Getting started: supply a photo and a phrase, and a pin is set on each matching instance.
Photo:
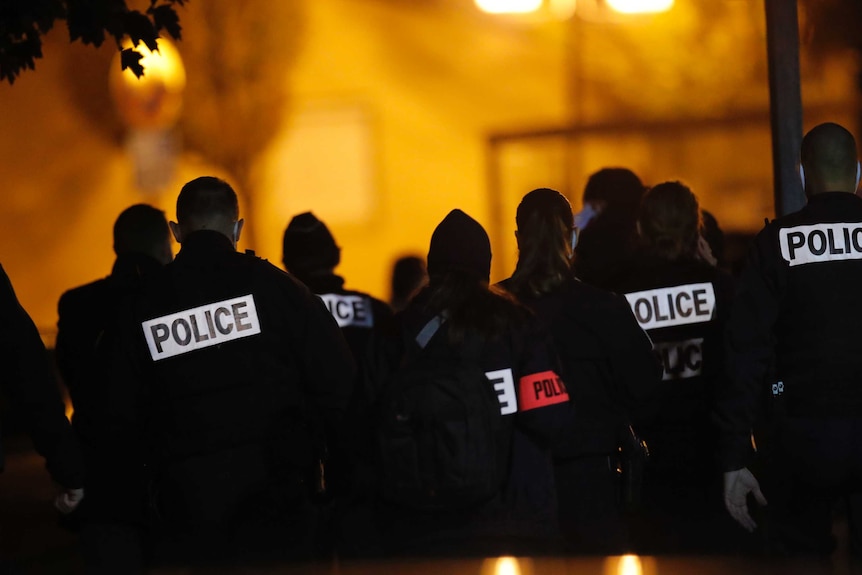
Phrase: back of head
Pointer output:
(409, 274)
(545, 227)
(829, 160)
(459, 243)
(143, 229)
(618, 191)
(459, 269)
(207, 203)
(308, 247)
(669, 221)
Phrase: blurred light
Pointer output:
(640, 6)
(630, 565)
(154, 100)
(509, 6)
(563, 9)
(507, 566)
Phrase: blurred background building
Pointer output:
(382, 115)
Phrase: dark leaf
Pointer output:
(85, 22)
(131, 59)
(139, 28)
(166, 18)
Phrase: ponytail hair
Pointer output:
(545, 227)
(670, 221)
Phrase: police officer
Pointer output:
(607, 362)
(30, 385)
(112, 516)
(682, 301)
(606, 225)
(517, 359)
(798, 307)
(311, 254)
(232, 369)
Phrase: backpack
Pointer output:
(440, 429)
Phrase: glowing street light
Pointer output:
(640, 6)
(509, 6)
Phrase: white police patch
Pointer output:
(349, 310)
(681, 359)
(201, 327)
(821, 243)
(679, 305)
(503, 381)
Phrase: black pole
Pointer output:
(782, 40)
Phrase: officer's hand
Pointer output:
(737, 485)
(704, 252)
(68, 499)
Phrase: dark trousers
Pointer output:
(685, 515)
(590, 511)
(816, 462)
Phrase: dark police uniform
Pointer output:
(29, 383)
(359, 316)
(683, 306)
(612, 377)
(356, 313)
(113, 511)
(235, 369)
(84, 313)
(522, 519)
(798, 307)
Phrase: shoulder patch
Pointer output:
(200, 327)
(678, 305)
(349, 310)
(821, 243)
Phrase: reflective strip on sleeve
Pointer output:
(541, 390)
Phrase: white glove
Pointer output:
(68, 499)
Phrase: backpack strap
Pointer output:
(471, 349)
(426, 333)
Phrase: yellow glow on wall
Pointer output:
(509, 6)
(563, 9)
(640, 6)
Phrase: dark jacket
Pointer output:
(605, 250)
(683, 305)
(356, 313)
(230, 369)
(513, 361)
(84, 313)
(359, 316)
(30, 385)
(797, 311)
(608, 366)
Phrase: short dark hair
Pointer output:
(205, 198)
(829, 153)
(140, 229)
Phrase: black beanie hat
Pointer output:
(460, 243)
(308, 246)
